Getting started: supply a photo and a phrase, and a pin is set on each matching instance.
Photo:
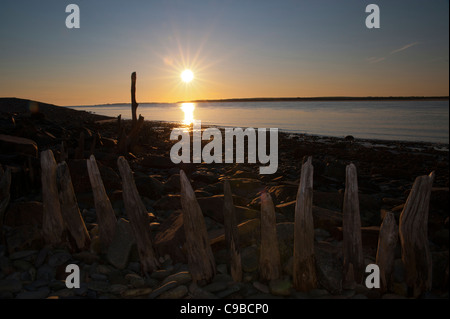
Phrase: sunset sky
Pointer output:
(235, 48)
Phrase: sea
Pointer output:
(418, 121)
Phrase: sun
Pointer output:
(187, 76)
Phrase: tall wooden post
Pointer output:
(387, 242)
(304, 274)
(69, 208)
(351, 228)
(198, 249)
(134, 104)
(52, 224)
(138, 216)
(413, 229)
(269, 258)
(231, 233)
(105, 214)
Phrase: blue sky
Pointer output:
(235, 49)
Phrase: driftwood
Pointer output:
(105, 214)
(52, 224)
(231, 234)
(5, 194)
(138, 217)
(413, 230)
(351, 227)
(69, 208)
(387, 242)
(134, 104)
(304, 274)
(269, 258)
(200, 258)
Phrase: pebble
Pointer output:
(10, 285)
(99, 286)
(160, 274)
(59, 259)
(118, 289)
(261, 287)
(175, 293)
(225, 293)
(135, 292)
(222, 269)
(181, 278)
(99, 277)
(163, 288)
(135, 280)
(216, 286)
(22, 254)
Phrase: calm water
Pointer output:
(426, 121)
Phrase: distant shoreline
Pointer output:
(293, 99)
(325, 99)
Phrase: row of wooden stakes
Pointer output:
(61, 214)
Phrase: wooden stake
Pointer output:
(69, 208)
(138, 216)
(351, 228)
(269, 258)
(387, 242)
(413, 229)
(105, 214)
(304, 274)
(231, 233)
(199, 254)
(52, 224)
(134, 104)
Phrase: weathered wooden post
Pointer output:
(387, 242)
(134, 104)
(304, 275)
(69, 208)
(138, 216)
(200, 258)
(413, 230)
(231, 233)
(105, 214)
(52, 224)
(269, 258)
(351, 229)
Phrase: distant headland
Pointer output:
(323, 99)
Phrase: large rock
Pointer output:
(171, 238)
(122, 244)
(12, 144)
(323, 218)
(249, 233)
(212, 206)
(328, 267)
(246, 187)
(168, 202)
(149, 187)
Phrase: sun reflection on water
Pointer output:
(188, 109)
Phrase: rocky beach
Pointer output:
(32, 269)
